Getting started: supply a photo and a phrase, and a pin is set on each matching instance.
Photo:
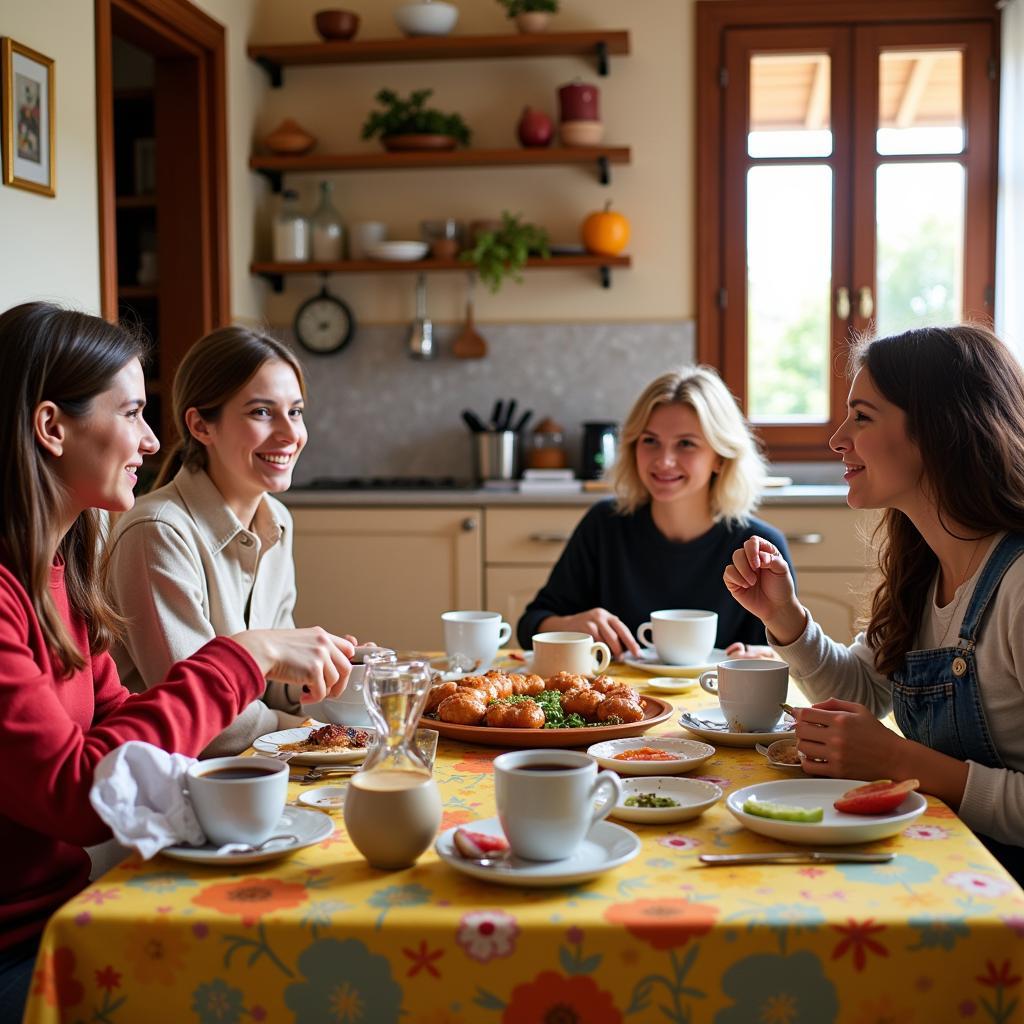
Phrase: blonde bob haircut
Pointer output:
(737, 486)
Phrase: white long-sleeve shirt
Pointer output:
(993, 801)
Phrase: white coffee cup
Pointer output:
(363, 235)
(565, 651)
(681, 636)
(349, 707)
(238, 799)
(476, 635)
(750, 691)
(546, 800)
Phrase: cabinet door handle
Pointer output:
(804, 538)
(469, 524)
(549, 537)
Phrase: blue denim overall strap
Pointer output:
(936, 695)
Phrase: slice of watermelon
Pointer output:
(479, 844)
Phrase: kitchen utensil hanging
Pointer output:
(421, 335)
(469, 344)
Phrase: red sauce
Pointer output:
(645, 754)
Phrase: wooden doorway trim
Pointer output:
(170, 28)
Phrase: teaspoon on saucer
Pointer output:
(229, 848)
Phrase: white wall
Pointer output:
(49, 246)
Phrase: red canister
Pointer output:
(577, 101)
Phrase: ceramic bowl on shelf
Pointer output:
(427, 18)
(398, 251)
(336, 24)
(415, 141)
(581, 133)
(289, 138)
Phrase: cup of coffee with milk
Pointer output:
(680, 636)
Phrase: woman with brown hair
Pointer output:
(73, 437)
(687, 477)
(935, 436)
(209, 553)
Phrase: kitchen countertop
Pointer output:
(797, 494)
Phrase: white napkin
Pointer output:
(139, 791)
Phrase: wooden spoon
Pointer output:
(469, 344)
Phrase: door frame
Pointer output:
(190, 46)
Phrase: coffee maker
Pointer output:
(600, 442)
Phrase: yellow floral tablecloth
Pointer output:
(936, 936)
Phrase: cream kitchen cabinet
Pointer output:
(387, 574)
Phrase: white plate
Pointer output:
(694, 797)
(671, 684)
(691, 754)
(606, 846)
(400, 252)
(272, 742)
(310, 826)
(835, 828)
(648, 662)
(722, 735)
(326, 798)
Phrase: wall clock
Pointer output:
(324, 324)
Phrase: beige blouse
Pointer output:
(182, 569)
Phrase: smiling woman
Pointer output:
(209, 552)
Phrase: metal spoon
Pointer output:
(229, 848)
(421, 337)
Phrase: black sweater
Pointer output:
(627, 566)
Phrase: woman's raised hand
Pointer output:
(312, 657)
(759, 580)
(601, 625)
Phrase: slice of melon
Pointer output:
(479, 844)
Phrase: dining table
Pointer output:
(316, 936)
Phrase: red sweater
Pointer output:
(54, 731)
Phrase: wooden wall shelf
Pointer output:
(273, 58)
(275, 272)
(602, 157)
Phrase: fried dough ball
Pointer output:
(527, 685)
(567, 681)
(502, 683)
(463, 708)
(613, 688)
(524, 714)
(583, 702)
(487, 690)
(619, 707)
(438, 694)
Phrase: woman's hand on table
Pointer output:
(759, 580)
(843, 740)
(741, 650)
(601, 625)
(312, 657)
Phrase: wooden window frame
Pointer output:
(714, 17)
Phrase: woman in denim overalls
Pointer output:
(935, 436)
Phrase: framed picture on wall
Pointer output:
(27, 91)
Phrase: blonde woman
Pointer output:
(686, 479)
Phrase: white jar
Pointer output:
(291, 231)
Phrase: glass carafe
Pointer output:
(392, 806)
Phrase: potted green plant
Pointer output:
(408, 124)
(530, 15)
(503, 251)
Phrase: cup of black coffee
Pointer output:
(238, 799)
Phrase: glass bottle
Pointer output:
(392, 807)
(328, 232)
(291, 230)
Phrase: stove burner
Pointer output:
(382, 483)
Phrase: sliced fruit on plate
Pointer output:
(781, 812)
(879, 797)
(479, 844)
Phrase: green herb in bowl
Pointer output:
(650, 800)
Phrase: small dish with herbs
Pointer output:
(662, 799)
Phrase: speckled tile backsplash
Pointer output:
(373, 411)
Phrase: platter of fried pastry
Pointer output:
(564, 710)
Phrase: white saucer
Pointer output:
(272, 742)
(694, 797)
(398, 251)
(606, 846)
(722, 735)
(671, 684)
(835, 828)
(648, 662)
(310, 826)
(689, 753)
(326, 798)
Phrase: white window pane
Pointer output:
(790, 105)
(919, 245)
(789, 284)
(920, 102)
